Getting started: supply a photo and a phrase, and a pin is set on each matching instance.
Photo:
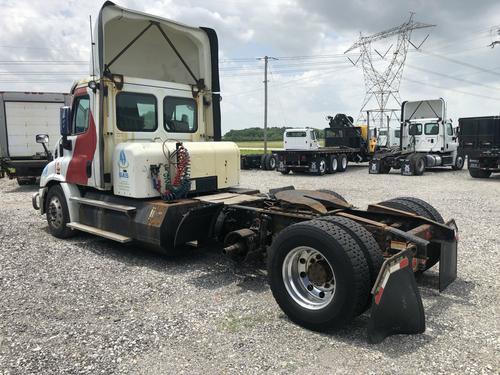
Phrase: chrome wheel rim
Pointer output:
(272, 163)
(460, 162)
(55, 212)
(334, 164)
(309, 278)
(344, 163)
(322, 166)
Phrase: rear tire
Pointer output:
(271, 162)
(312, 247)
(342, 163)
(418, 165)
(479, 173)
(263, 161)
(333, 164)
(371, 250)
(321, 166)
(57, 213)
(285, 172)
(418, 207)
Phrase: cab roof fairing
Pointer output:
(423, 109)
(150, 56)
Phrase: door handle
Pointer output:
(88, 168)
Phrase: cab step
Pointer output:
(105, 205)
(99, 232)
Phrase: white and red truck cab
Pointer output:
(154, 86)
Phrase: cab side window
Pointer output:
(82, 114)
(449, 129)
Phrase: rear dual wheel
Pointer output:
(319, 274)
(421, 208)
(268, 162)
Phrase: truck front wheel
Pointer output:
(459, 163)
(318, 275)
(57, 213)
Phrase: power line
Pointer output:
(450, 89)
(461, 63)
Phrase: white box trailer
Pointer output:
(24, 115)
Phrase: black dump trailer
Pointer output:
(480, 141)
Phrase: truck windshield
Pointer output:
(179, 115)
(431, 128)
(295, 134)
(415, 129)
(136, 112)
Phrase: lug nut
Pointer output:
(303, 274)
(309, 287)
(321, 295)
(302, 260)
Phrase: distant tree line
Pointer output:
(257, 134)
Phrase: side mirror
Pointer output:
(42, 138)
(65, 121)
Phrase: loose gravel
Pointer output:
(90, 306)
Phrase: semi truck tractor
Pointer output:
(480, 141)
(140, 160)
(23, 116)
(428, 139)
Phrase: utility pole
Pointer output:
(266, 63)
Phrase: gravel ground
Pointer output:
(88, 305)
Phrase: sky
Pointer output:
(45, 46)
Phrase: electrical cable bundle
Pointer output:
(178, 187)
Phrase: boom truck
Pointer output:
(140, 160)
(428, 139)
(344, 142)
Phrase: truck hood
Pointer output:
(136, 44)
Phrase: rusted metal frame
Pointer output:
(273, 212)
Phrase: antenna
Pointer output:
(91, 45)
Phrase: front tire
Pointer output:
(57, 213)
(479, 173)
(318, 275)
(459, 163)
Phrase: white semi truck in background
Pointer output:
(140, 160)
(428, 139)
(24, 115)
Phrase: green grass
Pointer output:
(260, 144)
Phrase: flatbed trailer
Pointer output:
(319, 161)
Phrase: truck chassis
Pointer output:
(317, 245)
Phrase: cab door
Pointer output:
(450, 138)
(83, 140)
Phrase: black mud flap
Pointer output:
(374, 166)
(448, 260)
(197, 224)
(407, 167)
(397, 306)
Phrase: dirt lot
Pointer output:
(88, 305)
